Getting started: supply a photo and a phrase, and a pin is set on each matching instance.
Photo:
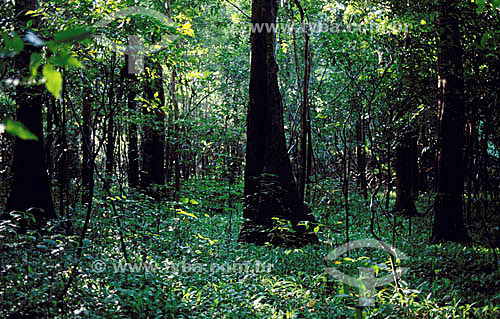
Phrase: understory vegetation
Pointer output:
(185, 262)
(250, 159)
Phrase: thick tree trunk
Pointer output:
(448, 217)
(159, 137)
(270, 188)
(406, 175)
(129, 72)
(153, 171)
(30, 186)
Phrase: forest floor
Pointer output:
(185, 262)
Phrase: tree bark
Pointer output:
(110, 128)
(448, 216)
(406, 168)
(132, 148)
(153, 151)
(174, 135)
(30, 186)
(270, 189)
(305, 123)
(87, 164)
(361, 156)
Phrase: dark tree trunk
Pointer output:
(361, 156)
(128, 72)
(110, 128)
(270, 188)
(62, 159)
(174, 136)
(115, 99)
(49, 140)
(448, 216)
(133, 153)
(428, 157)
(168, 148)
(305, 123)
(110, 146)
(146, 172)
(159, 133)
(153, 151)
(406, 175)
(87, 164)
(30, 186)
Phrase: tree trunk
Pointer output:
(361, 156)
(87, 164)
(62, 159)
(110, 128)
(448, 217)
(305, 123)
(174, 135)
(270, 189)
(133, 153)
(153, 171)
(406, 175)
(30, 186)
(129, 72)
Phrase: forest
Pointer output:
(249, 159)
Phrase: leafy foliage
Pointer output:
(148, 252)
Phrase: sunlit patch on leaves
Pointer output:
(53, 80)
(17, 129)
(182, 212)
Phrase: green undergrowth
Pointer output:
(185, 262)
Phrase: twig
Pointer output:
(237, 8)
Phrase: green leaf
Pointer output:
(481, 4)
(18, 129)
(17, 44)
(53, 80)
(35, 61)
(484, 39)
(70, 35)
(65, 60)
